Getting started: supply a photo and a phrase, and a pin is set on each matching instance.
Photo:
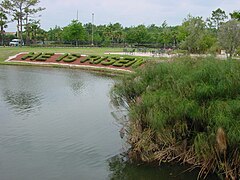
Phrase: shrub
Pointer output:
(61, 57)
(92, 60)
(31, 54)
(35, 56)
(108, 62)
(139, 62)
(115, 58)
(97, 61)
(44, 56)
(130, 58)
(120, 63)
(76, 55)
(189, 106)
(85, 59)
(130, 63)
(70, 58)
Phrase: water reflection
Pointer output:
(75, 81)
(122, 169)
(22, 101)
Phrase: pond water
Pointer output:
(58, 124)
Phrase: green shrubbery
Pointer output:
(62, 57)
(186, 110)
(116, 61)
(44, 56)
(37, 56)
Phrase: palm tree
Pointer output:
(3, 25)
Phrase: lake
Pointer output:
(58, 124)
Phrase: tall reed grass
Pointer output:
(186, 110)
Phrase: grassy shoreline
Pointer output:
(186, 111)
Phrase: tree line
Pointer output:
(194, 35)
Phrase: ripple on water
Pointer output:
(22, 102)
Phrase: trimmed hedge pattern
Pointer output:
(116, 61)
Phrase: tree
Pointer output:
(166, 35)
(235, 15)
(193, 31)
(74, 32)
(229, 36)
(3, 25)
(114, 32)
(35, 33)
(55, 34)
(138, 35)
(218, 16)
(20, 10)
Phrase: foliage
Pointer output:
(235, 15)
(3, 24)
(187, 110)
(20, 10)
(74, 32)
(55, 34)
(91, 59)
(137, 35)
(229, 36)
(197, 39)
(218, 17)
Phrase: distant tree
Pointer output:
(55, 34)
(154, 34)
(35, 32)
(20, 10)
(114, 32)
(235, 15)
(89, 28)
(193, 29)
(218, 17)
(166, 34)
(138, 35)
(74, 32)
(3, 25)
(229, 36)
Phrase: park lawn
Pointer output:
(5, 52)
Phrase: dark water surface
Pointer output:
(57, 124)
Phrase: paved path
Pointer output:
(149, 54)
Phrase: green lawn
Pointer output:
(5, 52)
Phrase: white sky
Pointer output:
(128, 12)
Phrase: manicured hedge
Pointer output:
(108, 62)
(120, 63)
(27, 56)
(44, 57)
(116, 61)
(61, 57)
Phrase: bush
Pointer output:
(30, 54)
(70, 58)
(108, 62)
(85, 59)
(195, 103)
(130, 63)
(130, 58)
(35, 56)
(97, 61)
(139, 62)
(44, 56)
(61, 57)
(120, 63)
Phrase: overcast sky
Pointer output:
(128, 12)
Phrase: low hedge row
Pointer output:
(92, 59)
(37, 56)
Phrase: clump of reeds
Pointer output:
(188, 111)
